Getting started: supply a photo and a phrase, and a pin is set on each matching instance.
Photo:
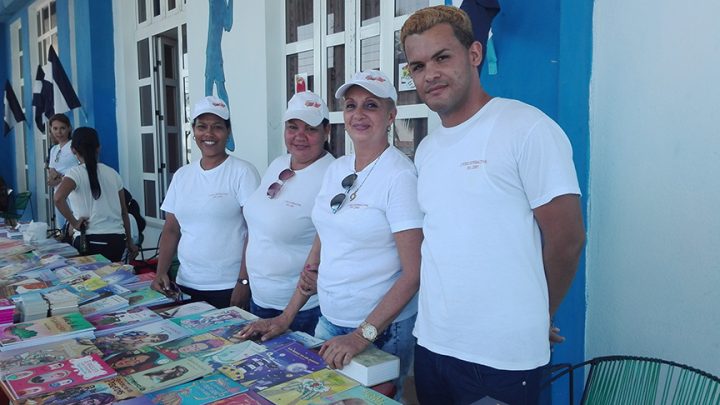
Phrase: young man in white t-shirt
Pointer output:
(503, 224)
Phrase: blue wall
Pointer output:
(544, 51)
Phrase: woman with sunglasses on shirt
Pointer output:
(204, 220)
(60, 158)
(369, 227)
(280, 231)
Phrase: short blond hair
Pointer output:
(426, 18)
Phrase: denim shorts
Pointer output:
(397, 339)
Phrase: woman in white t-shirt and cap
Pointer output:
(280, 230)
(203, 207)
(61, 158)
(369, 227)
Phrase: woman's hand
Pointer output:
(241, 296)
(132, 250)
(53, 177)
(80, 223)
(338, 351)
(307, 284)
(161, 283)
(266, 328)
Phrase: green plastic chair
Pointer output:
(17, 206)
(643, 380)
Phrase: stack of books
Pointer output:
(118, 321)
(20, 359)
(32, 307)
(61, 301)
(46, 330)
(7, 311)
(104, 305)
(373, 366)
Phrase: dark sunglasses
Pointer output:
(347, 183)
(274, 188)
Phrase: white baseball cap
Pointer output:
(212, 105)
(308, 107)
(373, 81)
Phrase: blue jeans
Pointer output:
(305, 321)
(397, 339)
(441, 379)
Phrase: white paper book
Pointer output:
(372, 367)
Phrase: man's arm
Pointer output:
(563, 238)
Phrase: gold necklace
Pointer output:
(377, 159)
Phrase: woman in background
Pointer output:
(61, 158)
(280, 231)
(95, 192)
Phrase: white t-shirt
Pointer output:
(208, 205)
(359, 261)
(104, 214)
(483, 293)
(62, 159)
(280, 232)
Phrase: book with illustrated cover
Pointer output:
(121, 276)
(118, 321)
(66, 272)
(206, 321)
(246, 398)
(192, 346)
(23, 358)
(150, 334)
(107, 391)
(103, 305)
(111, 268)
(167, 375)
(45, 330)
(303, 390)
(186, 309)
(135, 361)
(57, 376)
(373, 366)
(306, 340)
(199, 392)
(91, 262)
(231, 354)
(356, 395)
(270, 368)
(146, 297)
(230, 332)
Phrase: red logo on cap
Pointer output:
(218, 104)
(378, 78)
(312, 104)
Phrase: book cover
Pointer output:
(192, 346)
(270, 368)
(45, 327)
(210, 388)
(135, 361)
(66, 272)
(57, 376)
(167, 375)
(116, 321)
(356, 395)
(146, 297)
(85, 260)
(111, 268)
(206, 321)
(103, 305)
(303, 390)
(373, 366)
(246, 398)
(230, 332)
(231, 354)
(108, 391)
(186, 309)
(150, 334)
(24, 358)
(293, 337)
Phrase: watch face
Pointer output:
(369, 332)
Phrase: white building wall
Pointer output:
(653, 281)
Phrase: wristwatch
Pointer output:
(243, 281)
(369, 331)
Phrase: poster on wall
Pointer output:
(405, 82)
(301, 82)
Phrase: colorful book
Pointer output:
(46, 330)
(206, 321)
(135, 361)
(303, 390)
(306, 340)
(146, 297)
(118, 321)
(231, 354)
(150, 334)
(270, 368)
(111, 268)
(246, 398)
(167, 375)
(108, 391)
(356, 395)
(210, 388)
(373, 366)
(192, 346)
(104, 305)
(23, 358)
(231, 332)
(57, 376)
(91, 262)
(186, 309)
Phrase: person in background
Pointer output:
(280, 230)
(95, 192)
(60, 158)
(204, 220)
(369, 235)
(503, 224)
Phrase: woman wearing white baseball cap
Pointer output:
(369, 226)
(203, 208)
(280, 231)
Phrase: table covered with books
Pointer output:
(82, 330)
